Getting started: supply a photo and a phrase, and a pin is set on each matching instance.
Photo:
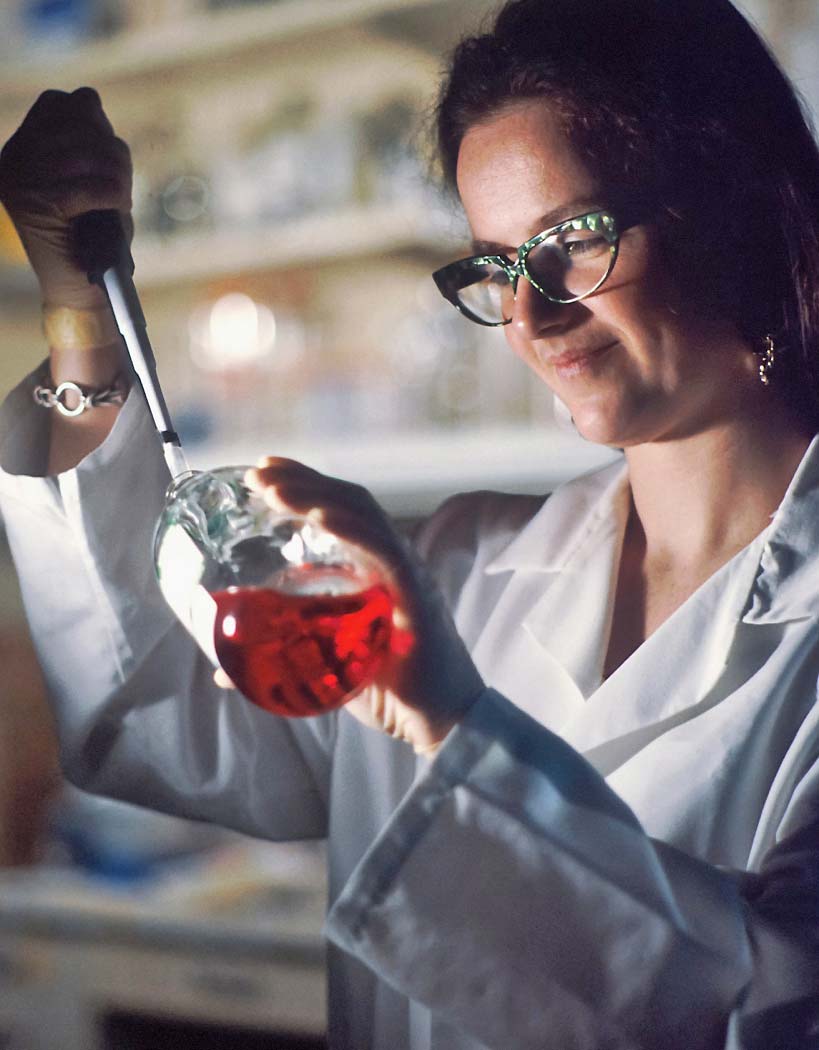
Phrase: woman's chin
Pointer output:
(598, 428)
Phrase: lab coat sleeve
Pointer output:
(139, 717)
(515, 894)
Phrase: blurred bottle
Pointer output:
(294, 162)
(56, 26)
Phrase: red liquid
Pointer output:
(301, 654)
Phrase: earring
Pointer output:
(767, 360)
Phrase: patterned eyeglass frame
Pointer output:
(447, 278)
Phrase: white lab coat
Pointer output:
(662, 891)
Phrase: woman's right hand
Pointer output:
(63, 161)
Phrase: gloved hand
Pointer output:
(63, 161)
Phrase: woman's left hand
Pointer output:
(424, 687)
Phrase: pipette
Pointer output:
(101, 248)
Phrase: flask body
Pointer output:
(299, 619)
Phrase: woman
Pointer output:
(606, 831)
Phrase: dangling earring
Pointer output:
(767, 360)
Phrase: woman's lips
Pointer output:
(572, 362)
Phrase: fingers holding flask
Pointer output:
(429, 679)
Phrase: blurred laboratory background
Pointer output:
(287, 220)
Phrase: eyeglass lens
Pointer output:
(568, 264)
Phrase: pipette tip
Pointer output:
(176, 459)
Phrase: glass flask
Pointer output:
(298, 618)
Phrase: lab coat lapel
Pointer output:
(582, 594)
(530, 649)
(513, 661)
(675, 671)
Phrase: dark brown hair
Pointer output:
(678, 106)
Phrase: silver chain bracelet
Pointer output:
(47, 397)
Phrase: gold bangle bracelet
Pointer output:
(68, 329)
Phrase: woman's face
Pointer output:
(631, 362)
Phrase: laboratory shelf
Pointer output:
(197, 38)
(353, 231)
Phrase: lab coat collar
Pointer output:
(786, 587)
(781, 591)
(564, 524)
(771, 581)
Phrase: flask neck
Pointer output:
(178, 481)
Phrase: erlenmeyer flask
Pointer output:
(299, 619)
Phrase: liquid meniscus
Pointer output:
(301, 654)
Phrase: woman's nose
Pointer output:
(533, 315)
